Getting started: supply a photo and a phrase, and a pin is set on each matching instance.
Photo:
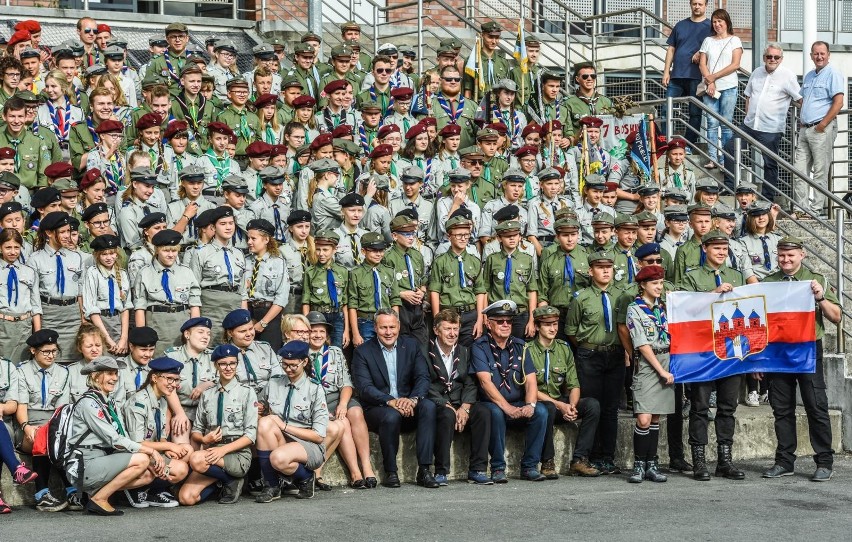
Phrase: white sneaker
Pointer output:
(764, 397)
(753, 399)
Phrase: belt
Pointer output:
(168, 308)
(808, 124)
(224, 288)
(9, 318)
(63, 145)
(366, 315)
(89, 447)
(260, 304)
(547, 238)
(465, 308)
(296, 290)
(106, 312)
(228, 440)
(599, 347)
(325, 309)
(58, 301)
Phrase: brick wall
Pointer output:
(286, 10)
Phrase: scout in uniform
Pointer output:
(510, 274)
(714, 276)
(172, 61)
(223, 68)
(334, 115)
(508, 213)
(707, 191)
(513, 186)
(624, 266)
(451, 108)
(541, 209)
(323, 202)
(183, 213)
(410, 275)
(219, 268)
(591, 206)
(245, 124)
(348, 252)
(258, 154)
(146, 416)
(217, 161)
(673, 236)
(691, 255)
(226, 425)
(325, 288)
(290, 441)
(372, 286)
(460, 196)
(60, 271)
(675, 173)
(653, 384)
(559, 392)
(563, 272)
(190, 106)
(20, 302)
(760, 240)
(591, 329)
(412, 186)
(494, 66)
(134, 366)
(724, 219)
(267, 283)
(106, 293)
(235, 192)
(493, 166)
(42, 387)
(166, 294)
(298, 252)
(148, 227)
(132, 208)
(273, 206)
(256, 358)
(303, 58)
(508, 390)
(198, 374)
(586, 100)
(782, 387)
(32, 153)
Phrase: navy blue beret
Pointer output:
(224, 351)
(647, 249)
(236, 318)
(165, 365)
(197, 321)
(294, 350)
(46, 336)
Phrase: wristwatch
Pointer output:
(533, 404)
(263, 324)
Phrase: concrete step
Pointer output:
(754, 439)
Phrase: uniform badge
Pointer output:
(619, 274)
(319, 290)
(218, 269)
(30, 165)
(501, 275)
(184, 297)
(398, 276)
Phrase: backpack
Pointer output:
(58, 438)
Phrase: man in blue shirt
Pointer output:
(822, 98)
(681, 74)
(508, 389)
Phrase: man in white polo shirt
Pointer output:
(769, 92)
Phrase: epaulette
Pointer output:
(139, 405)
(125, 203)
(560, 341)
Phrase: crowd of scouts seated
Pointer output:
(234, 276)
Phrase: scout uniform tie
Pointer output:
(606, 311)
(507, 275)
(165, 283)
(377, 284)
(43, 387)
(254, 272)
(332, 288)
(12, 285)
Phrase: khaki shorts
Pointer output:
(99, 470)
(237, 463)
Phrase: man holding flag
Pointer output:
(782, 386)
(526, 78)
(487, 65)
(715, 276)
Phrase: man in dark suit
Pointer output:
(454, 391)
(392, 380)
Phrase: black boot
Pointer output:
(699, 464)
(725, 466)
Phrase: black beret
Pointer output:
(166, 238)
(42, 337)
(10, 207)
(409, 213)
(352, 199)
(105, 242)
(142, 336)
(44, 197)
(463, 212)
(54, 221)
(509, 212)
(205, 218)
(94, 210)
(297, 217)
(221, 212)
(262, 225)
(151, 219)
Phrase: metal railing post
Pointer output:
(263, 10)
(738, 147)
(643, 50)
(669, 113)
(351, 10)
(236, 10)
(161, 5)
(567, 45)
(419, 36)
(375, 28)
(839, 217)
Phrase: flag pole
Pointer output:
(652, 131)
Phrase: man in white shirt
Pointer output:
(769, 92)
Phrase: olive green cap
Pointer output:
(790, 241)
(374, 240)
(602, 256)
(566, 212)
(700, 208)
(603, 219)
(646, 217)
(714, 236)
(626, 221)
(326, 237)
(566, 224)
(546, 312)
(508, 226)
(458, 222)
(402, 222)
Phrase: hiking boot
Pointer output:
(581, 467)
(652, 472)
(548, 469)
(307, 488)
(231, 491)
(638, 473)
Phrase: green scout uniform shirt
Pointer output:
(444, 279)
(80, 141)
(160, 65)
(285, 114)
(687, 257)
(310, 86)
(491, 75)
(360, 290)
(580, 107)
(528, 85)
(586, 318)
(382, 98)
(51, 141)
(806, 274)
(555, 288)
(315, 284)
(395, 259)
(32, 155)
(703, 279)
(130, 131)
(197, 117)
(620, 272)
(561, 375)
(465, 119)
(523, 279)
(245, 125)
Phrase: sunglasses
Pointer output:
(384, 70)
(772, 57)
(90, 30)
(587, 76)
(474, 162)
(451, 79)
(502, 321)
(651, 261)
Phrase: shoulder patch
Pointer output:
(138, 405)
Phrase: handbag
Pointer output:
(701, 89)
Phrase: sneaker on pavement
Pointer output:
(532, 475)
(307, 488)
(231, 491)
(441, 479)
(23, 475)
(479, 478)
(287, 487)
(609, 467)
(163, 499)
(499, 477)
(49, 503)
(255, 487)
(752, 399)
(137, 498)
(268, 494)
(75, 503)
(777, 471)
(822, 474)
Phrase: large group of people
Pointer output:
(232, 277)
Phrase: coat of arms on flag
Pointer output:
(736, 336)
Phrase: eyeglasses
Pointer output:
(474, 162)
(384, 70)
(13, 75)
(172, 380)
(451, 79)
(300, 331)
(100, 223)
(772, 57)
(177, 36)
(587, 76)
(291, 366)
(501, 321)
(461, 236)
(227, 365)
(49, 353)
(227, 54)
(240, 92)
(651, 261)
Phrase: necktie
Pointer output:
(507, 276)
(60, 275)
(733, 260)
(165, 282)
(60, 113)
(138, 379)
(553, 206)
(220, 407)
(228, 267)
(410, 269)
(406, 125)
(250, 374)
(146, 210)
(332, 287)
(12, 285)
(111, 288)
(153, 156)
(279, 229)
(315, 362)
(677, 180)
(419, 162)
(194, 372)
(377, 284)
(788, 278)
(115, 419)
(43, 387)
(287, 402)
(356, 252)
(630, 268)
(258, 187)
(767, 261)
(158, 419)
(254, 272)
(547, 367)
(718, 278)
(568, 271)
(703, 257)
(486, 172)
(606, 311)
(462, 279)
(491, 71)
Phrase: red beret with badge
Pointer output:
(217, 127)
(110, 125)
(335, 86)
(387, 130)
(381, 151)
(402, 93)
(551, 126)
(321, 141)
(450, 130)
(7, 153)
(415, 131)
(531, 128)
(303, 101)
(175, 127)
(591, 122)
(92, 176)
(429, 121)
(264, 100)
(148, 120)
(344, 130)
(259, 149)
(59, 170)
(526, 150)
